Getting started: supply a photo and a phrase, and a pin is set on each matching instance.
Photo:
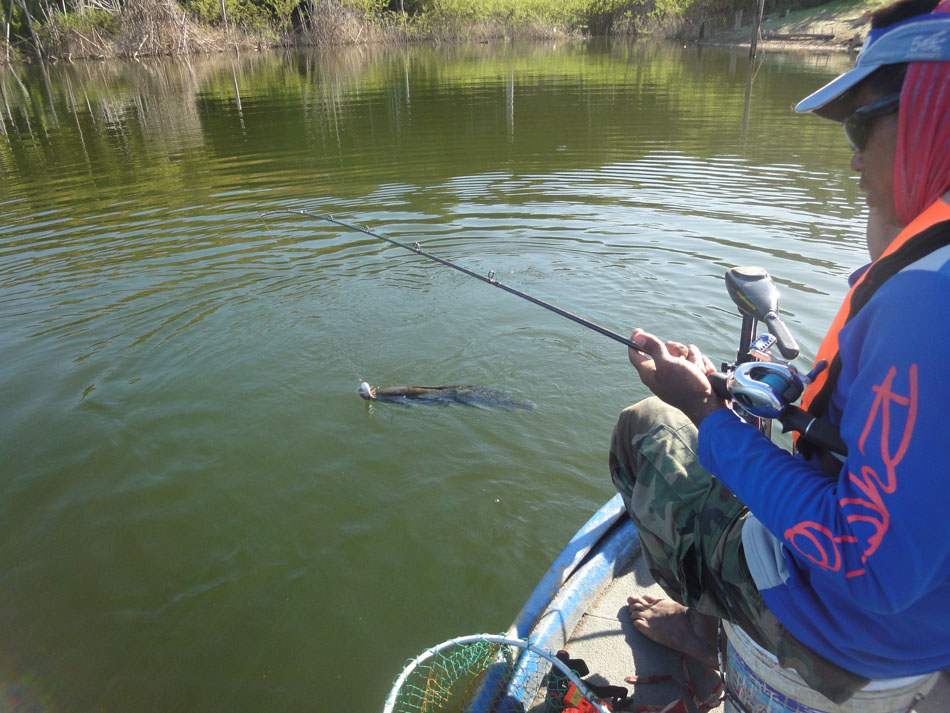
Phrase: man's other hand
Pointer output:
(676, 373)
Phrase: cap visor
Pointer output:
(826, 101)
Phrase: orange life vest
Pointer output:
(938, 212)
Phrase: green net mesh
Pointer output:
(482, 677)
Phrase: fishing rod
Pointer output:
(762, 385)
(489, 278)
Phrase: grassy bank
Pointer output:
(71, 29)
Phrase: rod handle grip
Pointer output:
(718, 382)
(821, 433)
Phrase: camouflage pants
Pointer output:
(690, 529)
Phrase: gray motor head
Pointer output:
(756, 296)
(752, 291)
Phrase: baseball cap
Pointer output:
(923, 38)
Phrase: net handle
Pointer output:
(492, 639)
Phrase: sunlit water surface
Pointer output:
(197, 511)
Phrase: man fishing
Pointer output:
(836, 565)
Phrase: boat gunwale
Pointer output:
(590, 536)
(578, 576)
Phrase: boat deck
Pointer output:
(605, 638)
(613, 649)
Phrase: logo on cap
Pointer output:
(932, 46)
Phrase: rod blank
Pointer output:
(489, 278)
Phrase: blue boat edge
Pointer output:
(585, 563)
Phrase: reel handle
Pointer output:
(786, 342)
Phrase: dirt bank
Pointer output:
(836, 27)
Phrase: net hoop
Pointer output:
(492, 639)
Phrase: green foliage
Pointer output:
(18, 28)
(602, 15)
(245, 13)
(281, 10)
(594, 16)
(268, 14)
(564, 12)
(91, 19)
(512, 10)
(667, 8)
(371, 7)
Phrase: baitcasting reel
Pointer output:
(758, 383)
(761, 386)
(767, 386)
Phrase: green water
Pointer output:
(197, 511)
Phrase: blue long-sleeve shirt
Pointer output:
(865, 579)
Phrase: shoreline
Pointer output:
(254, 45)
(787, 46)
(836, 27)
(238, 48)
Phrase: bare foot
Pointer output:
(673, 625)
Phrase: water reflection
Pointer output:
(387, 105)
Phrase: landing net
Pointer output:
(485, 674)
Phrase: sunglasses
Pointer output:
(857, 127)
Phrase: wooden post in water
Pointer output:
(224, 19)
(7, 33)
(755, 29)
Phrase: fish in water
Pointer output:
(468, 395)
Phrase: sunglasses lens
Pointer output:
(856, 129)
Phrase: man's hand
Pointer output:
(677, 374)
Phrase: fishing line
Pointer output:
(489, 278)
(339, 346)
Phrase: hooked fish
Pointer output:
(468, 395)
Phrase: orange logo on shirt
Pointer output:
(894, 414)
